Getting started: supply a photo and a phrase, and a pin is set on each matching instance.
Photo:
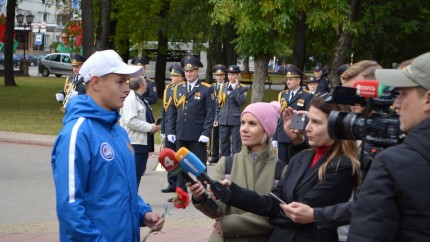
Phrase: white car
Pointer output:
(57, 63)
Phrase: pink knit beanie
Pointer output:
(266, 113)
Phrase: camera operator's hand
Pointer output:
(296, 136)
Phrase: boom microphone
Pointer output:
(190, 162)
(168, 160)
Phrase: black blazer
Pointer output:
(301, 184)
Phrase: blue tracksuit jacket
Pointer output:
(95, 179)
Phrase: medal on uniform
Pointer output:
(197, 95)
(301, 103)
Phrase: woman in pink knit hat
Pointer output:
(321, 176)
(255, 167)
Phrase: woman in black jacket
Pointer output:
(321, 176)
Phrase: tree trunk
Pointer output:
(112, 31)
(87, 28)
(103, 25)
(160, 65)
(9, 77)
(343, 44)
(340, 51)
(260, 73)
(300, 43)
(229, 52)
(214, 52)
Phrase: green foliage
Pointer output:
(393, 30)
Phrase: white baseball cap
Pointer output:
(105, 62)
(417, 74)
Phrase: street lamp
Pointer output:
(20, 19)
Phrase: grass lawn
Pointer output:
(31, 106)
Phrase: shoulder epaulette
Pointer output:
(205, 84)
(307, 91)
(280, 94)
(149, 79)
(242, 85)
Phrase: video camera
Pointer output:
(379, 125)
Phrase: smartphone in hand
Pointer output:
(299, 121)
(277, 198)
(158, 122)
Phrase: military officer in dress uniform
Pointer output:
(232, 96)
(151, 91)
(74, 84)
(297, 98)
(191, 120)
(312, 86)
(323, 83)
(177, 75)
(219, 71)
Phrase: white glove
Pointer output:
(203, 139)
(59, 97)
(274, 144)
(163, 136)
(73, 94)
(171, 138)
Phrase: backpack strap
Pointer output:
(280, 165)
(228, 166)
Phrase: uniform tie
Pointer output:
(229, 88)
(291, 96)
(189, 88)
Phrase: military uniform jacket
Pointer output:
(229, 104)
(300, 101)
(167, 100)
(214, 95)
(78, 81)
(323, 85)
(192, 113)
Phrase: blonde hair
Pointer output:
(366, 68)
(347, 148)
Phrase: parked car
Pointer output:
(34, 59)
(58, 64)
(15, 59)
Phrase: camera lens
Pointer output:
(345, 125)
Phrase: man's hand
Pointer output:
(299, 212)
(203, 139)
(73, 94)
(171, 138)
(155, 128)
(59, 97)
(154, 220)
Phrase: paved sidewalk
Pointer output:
(27, 206)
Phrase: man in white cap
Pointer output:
(393, 203)
(93, 161)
